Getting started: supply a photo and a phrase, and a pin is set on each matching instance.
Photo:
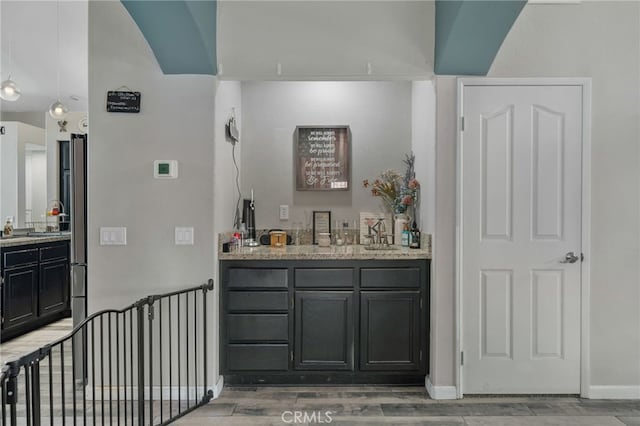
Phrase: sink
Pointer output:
(381, 247)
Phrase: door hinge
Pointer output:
(581, 258)
(461, 358)
(421, 303)
(292, 303)
(420, 355)
(462, 124)
(291, 357)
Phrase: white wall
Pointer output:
(34, 118)
(378, 113)
(600, 40)
(423, 145)
(593, 39)
(228, 103)
(325, 39)
(175, 123)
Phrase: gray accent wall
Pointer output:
(379, 116)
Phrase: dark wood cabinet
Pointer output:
(390, 330)
(53, 293)
(20, 302)
(324, 321)
(324, 330)
(35, 287)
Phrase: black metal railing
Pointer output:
(145, 364)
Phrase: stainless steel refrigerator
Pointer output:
(78, 192)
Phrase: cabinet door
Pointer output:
(390, 337)
(54, 287)
(19, 294)
(324, 330)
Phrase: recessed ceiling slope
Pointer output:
(182, 34)
(470, 33)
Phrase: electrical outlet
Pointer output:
(284, 212)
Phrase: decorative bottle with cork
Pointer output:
(8, 227)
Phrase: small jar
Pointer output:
(324, 239)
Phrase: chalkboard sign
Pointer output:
(123, 101)
(322, 158)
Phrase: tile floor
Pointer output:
(379, 405)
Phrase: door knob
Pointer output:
(570, 257)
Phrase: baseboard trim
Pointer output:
(440, 392)
(218, 389)
(613, 392)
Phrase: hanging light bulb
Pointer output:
(9, 90)
(57, 110)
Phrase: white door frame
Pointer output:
(585, 83)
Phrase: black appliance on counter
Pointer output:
(249, 220)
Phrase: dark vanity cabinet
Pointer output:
(324, 321)
(35, 286)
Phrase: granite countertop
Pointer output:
(25, 240)
(313, 252)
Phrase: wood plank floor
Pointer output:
(33, 340)
(380, 405)
(358, 406)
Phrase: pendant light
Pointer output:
(58, 110)
(9, 90)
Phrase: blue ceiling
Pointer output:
(181, 33)
(470, 33)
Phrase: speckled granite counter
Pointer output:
(311, 252)
(22, 241)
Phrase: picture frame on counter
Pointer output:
(373, 225)
(321, 223)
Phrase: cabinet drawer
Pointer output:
(390, 277)
(260, 301)
(262, 328)
(257, 278)
(324, 278)
(257, 357)
(58, 251)
(20, 257)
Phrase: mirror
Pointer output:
(23, 173)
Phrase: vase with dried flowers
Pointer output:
(398, 192)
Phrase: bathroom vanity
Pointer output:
(312, 315)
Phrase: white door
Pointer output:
(521, 214)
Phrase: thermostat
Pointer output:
(165, 169)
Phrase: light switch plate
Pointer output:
(113, 236)
(184, 236)
(284, 212)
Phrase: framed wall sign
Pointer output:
(322, 158)
(321, 223)
(123, 101)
